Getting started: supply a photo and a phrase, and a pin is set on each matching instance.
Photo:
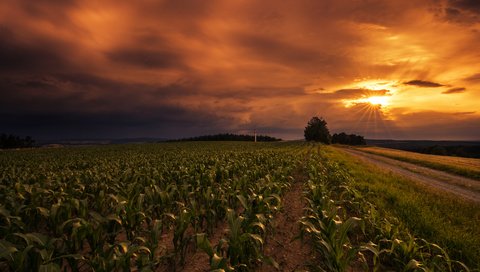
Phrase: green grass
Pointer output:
(433, 215)
(466, 167)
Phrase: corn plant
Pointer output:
(329, 235)
(217, 261)
(181, 238)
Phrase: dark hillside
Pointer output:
(230, 137)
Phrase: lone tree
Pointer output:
(316, 130)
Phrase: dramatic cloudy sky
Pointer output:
(382, 68)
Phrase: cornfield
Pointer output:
(144, 207)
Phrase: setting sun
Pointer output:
(374, 100)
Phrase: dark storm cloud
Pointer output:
(462, 11)
(36, 95)
(467, 5)
(89, 80)
(115, 111)
(287, 52)
(178, 9)
(423, 83)
(439, 126)
(39, 84)
(116, 90)
(83, 93)
(455, 90)
(358, 93)
(146, 58)
(251, 93)
(475, 77)
(18, 55)
(156, 116)
(52, 9)
(464, 112)
(165, 120)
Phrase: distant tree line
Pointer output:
(348, 139)
(459, 151)
(229, 137)
(317, 130)
(14, 141)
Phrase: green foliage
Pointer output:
(348, 139)
(138, 207)
(113, 208)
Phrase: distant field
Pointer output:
(467, 167)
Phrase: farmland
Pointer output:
(467, 167)
(152, 207)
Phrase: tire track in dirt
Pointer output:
(199, 261)
(460, 186)
(290, 253)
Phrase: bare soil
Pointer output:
(199, 260)
(460, 186)
(282, 246)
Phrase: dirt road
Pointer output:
(461, 186)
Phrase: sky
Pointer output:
(385, 69)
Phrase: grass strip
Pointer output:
(428, 213)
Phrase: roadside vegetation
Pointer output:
(428, 213)
(150, 207)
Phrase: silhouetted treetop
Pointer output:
(14, 141)
(316, 130)
(348, 139)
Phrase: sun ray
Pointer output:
(370, 111)
(363, 110)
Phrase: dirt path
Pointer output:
(282, 246)
(461, 186)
